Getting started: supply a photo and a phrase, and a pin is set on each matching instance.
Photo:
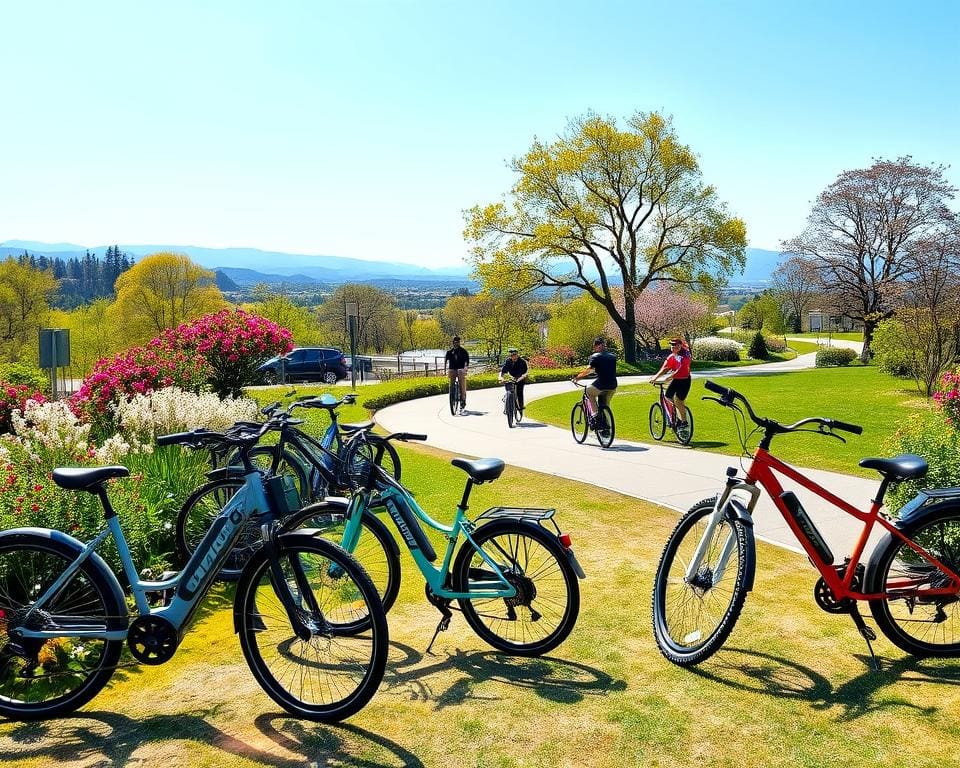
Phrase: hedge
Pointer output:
(833, 356)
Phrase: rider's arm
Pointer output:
(585, 372)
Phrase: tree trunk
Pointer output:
(868, 328)
(628, 334)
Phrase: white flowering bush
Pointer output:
(716, 349)
(172, 409)
(52, 435)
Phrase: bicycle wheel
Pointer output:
(605, 435)
(508, 408)
(198, 513)
(658, 422)
(685, 433)
(332, 674)
(42, 678)
(454, 396)
(922, 626)
(517, 411)
(547, 603)
(376, 550)
(262, 457)
(691, 619)
(578, 423)
(385, 455)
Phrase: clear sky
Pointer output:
(364, 129)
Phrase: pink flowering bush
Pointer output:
(542, 361)
(233, 343)
(221, 350)
(564, 356)
(948, 397)
(14, 397)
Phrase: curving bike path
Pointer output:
(664, 473)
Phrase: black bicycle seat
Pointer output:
(83, 478)
(906, 466)
(357, 427)
(480, 470)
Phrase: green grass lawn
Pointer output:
(791, 688)
(854, 336)
(803, 347)
(858, 395)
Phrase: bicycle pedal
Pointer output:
(868, 633)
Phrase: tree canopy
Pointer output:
(602, 207)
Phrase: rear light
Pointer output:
(566, 540)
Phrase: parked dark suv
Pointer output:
(306, 364)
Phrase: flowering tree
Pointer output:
(233, 343)
(663, 311)
(14, 396)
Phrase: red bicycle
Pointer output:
(911, 580)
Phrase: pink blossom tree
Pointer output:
(664, 311)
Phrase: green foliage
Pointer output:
(931, 436)
(576, 324)
(834, 356)
(889, 350)
(26, 375)
(758, 347)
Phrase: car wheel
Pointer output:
(330, 377)
(269, 377)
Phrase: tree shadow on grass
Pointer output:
(756, 672)
(556, 680)
(111, 739)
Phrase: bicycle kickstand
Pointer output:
(444, 624)
(866, 633)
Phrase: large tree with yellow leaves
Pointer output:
(602, 207)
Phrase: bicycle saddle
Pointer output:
(83, 478)
(480, 470)
(357, 427)
(906, 466)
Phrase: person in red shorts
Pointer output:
(677, 368)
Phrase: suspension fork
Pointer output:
(280, 586)
(720, 510)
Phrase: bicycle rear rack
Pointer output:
(518, 513)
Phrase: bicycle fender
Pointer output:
(737, 510)
(75, 546)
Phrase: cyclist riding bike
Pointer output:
(455, 364)
(516, 367)
(604, 365)
(678, 366)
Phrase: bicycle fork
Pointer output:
(720, 511)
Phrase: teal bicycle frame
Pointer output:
(397, 501)
(189, 586)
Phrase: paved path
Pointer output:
(664, 473)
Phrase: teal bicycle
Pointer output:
(514, 577)
(311, 624)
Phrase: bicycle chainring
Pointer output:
(152, 640)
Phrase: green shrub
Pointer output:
(833, 356)
(775, 344)
(931, 437)
(889, 350)
(25, 375)
(758, 347)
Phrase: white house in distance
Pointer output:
(824, 321)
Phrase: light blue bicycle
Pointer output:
(311, 624)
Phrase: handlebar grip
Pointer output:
(269, 409)
(177, 437)
(854, 428)
(409, 436)
(715, 388)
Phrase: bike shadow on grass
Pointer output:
(763, 673)
(416, 676)
(112, 739)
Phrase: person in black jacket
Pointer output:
(604, 365)
(455, 364)
(516, 366)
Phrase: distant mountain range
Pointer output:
(243, 266)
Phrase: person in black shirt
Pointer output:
(455, 364)
(604, 365)
(516, 366)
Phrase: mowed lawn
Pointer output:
(792, 688)
(858, 395)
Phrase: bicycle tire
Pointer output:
(523, 552)
(385, 455)
(376, 551)
(658, 422)
(198, 513)
(922, 627)
(685, 434)
(454, 396)
(70, 673)
(579, 425)
(287, 667)
(263, 457)
(508, 408)
(680, 643)
(605, 436)
(517, 410)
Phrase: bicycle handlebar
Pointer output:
(729, 395)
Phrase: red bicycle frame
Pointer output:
(761, 472)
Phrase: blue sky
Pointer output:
(363, 129)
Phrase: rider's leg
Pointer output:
(520, 387)
(604, 399)
(462, 373)
(681, 408)
(592, 393)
